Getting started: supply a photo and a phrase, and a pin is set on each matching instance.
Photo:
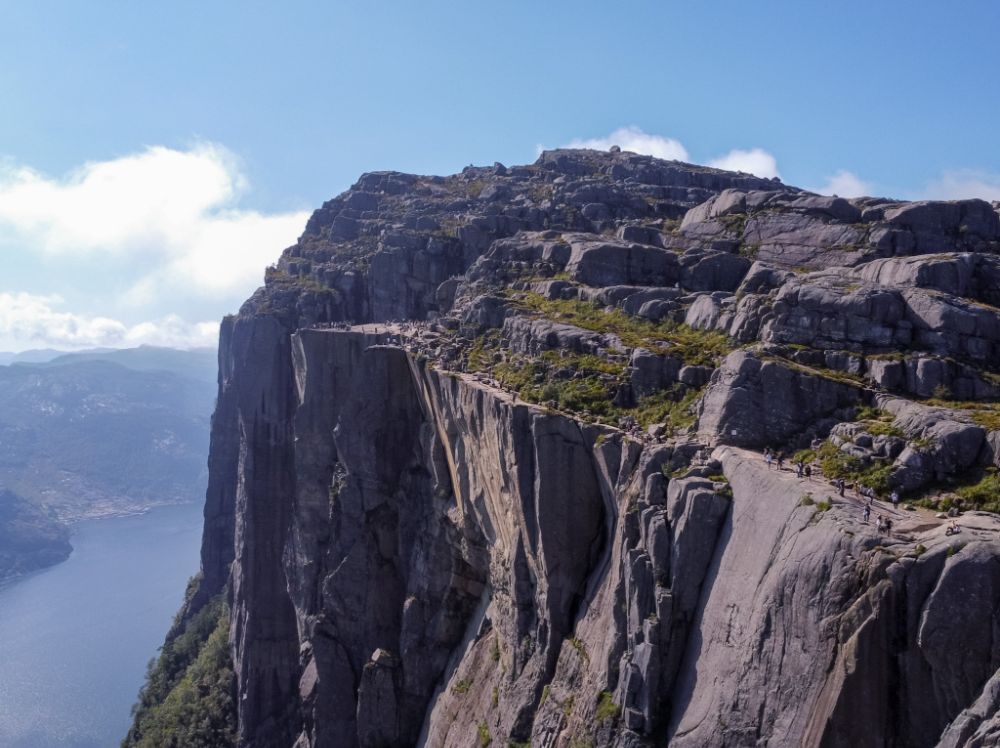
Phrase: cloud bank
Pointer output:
(963, 184)
(755, 161)
(176, 211)
(32, 321)
(845, 184)
(164, 223)
(635, 140)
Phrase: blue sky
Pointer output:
(241, 117)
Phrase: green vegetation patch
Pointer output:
(579, 383)
(878, 422)
(837, 464)
(188, 700)
(483, 731)
(984, 414)
(538, 379)
(694, 347)
(580, 648)
(675, 407)
(983, 494)
(607, 709)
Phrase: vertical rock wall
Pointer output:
(418, 559)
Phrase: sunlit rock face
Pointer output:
(486, 465)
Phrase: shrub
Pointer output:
(985, 493)
(483, 730)
(867, 412)
(837, 464)
(461, 687)
(189, 696)
(695, 347)
(881, 428)
(804, 455)
(580, 648)
(984, 414)
(607, 709)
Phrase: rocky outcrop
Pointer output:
(756, 402)
(435, 532)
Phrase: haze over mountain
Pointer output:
(99, 433)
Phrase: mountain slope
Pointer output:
(201, 364)
(82, 436)
(95, 437)
(30, 538)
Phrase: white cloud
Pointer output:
(755, 161)
(32, 321)
(175, 210)
(635, 140)
(845, 184)
(963, 184)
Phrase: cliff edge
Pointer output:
(487, 466)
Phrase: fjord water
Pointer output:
(75, 638)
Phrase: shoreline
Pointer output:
(113, 513)
(72, 524)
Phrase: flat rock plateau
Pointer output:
(487, 466)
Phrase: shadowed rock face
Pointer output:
(416, 556)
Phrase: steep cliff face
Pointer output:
(460, 532)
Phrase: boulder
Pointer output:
(753, 402)
(713, 271)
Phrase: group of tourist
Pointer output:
(776, 459)
(804, 470)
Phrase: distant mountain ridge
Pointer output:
(99, 433)
(196, 363)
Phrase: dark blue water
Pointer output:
(75, 639)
